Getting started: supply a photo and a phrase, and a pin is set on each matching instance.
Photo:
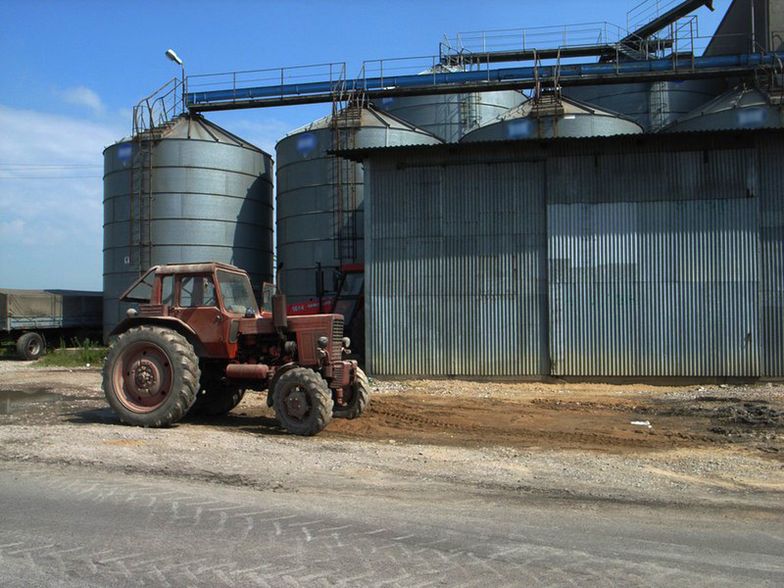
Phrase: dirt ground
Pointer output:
(684, 443)
(599, 417)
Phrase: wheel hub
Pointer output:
(145, 377)
(296, 403)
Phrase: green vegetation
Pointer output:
(87, 352)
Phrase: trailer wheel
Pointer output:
(30, 346)
(216, 397)
(151, 376)
(302, 401)
(356, 397)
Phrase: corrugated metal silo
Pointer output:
(740, 108)
(320, 197)
(651, 105)
(450, 116)
(194, 192)
(551, 117)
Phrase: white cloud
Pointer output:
(84, 96)
(51, 189)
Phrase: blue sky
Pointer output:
(72, 71)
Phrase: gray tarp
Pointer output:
(49, 309)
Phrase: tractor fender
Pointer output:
(168, 322)
(278, 373)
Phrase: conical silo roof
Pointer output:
(550, 117)
(198, 128)
(740, 108)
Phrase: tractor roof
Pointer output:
(194, 268)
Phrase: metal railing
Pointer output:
(160, 107)
(533, 38)
(648, 10)
(283, 77)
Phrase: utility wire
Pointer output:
(47, 177)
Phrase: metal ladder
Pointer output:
(152, 117)
(346, 119)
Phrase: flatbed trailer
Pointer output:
(31, 318)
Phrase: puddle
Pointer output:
(15, 400)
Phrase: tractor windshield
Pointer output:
(237, 293)
(141, 289)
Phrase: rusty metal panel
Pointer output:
(454, 288)
(772, 259)
(664, 288)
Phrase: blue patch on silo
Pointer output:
(306, 144)
(519, 129)
(124, 153)
(751, 117)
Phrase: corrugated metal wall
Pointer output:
(454, 287)
(665, 258)
(654, 289)
(772, 258)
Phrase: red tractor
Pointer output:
(198, 340)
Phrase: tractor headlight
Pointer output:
(346, 343)
(322, 342)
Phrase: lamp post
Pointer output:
(176, 59)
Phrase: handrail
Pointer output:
(159, 107)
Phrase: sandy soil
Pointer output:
(690, 444)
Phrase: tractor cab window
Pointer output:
(237, 294)
(167, 290)
(141, 289)
(197, 291)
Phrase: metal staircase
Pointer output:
(346, 119)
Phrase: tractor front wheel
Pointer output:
(302, 401)
(151, 376)
(355, 397)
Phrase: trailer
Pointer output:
(31, 318)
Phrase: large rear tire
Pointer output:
(216, 397)
(151, 376)
(356, 398)
(30, 346)
(302, 402)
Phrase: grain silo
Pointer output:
(450, 116)
(740, 108)
(550, 117)
(320, 197)
(652, 105)
(186, 192)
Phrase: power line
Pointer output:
(48, 165)
(47, 177)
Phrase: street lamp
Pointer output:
(176, 59)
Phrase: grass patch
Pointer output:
(88, 352)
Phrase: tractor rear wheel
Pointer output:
(151, 376)
(302, 401)
(356, 398)
(216, 397)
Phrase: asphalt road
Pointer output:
(77, 527)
